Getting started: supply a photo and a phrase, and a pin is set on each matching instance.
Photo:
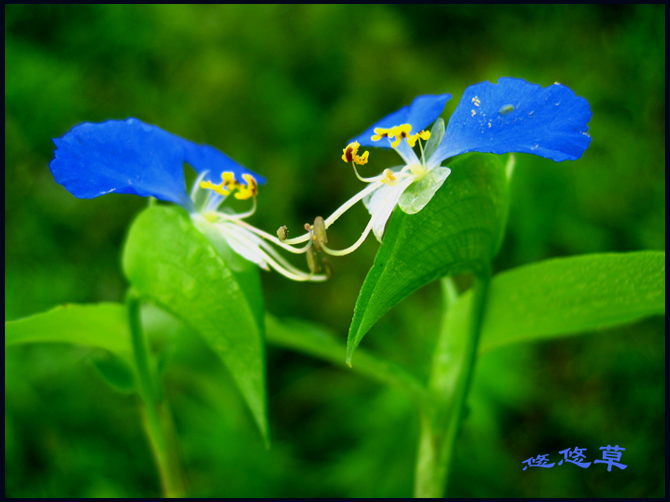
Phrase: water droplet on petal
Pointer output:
(505, 109)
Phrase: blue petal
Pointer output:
(516, 116)
(132, 157)
(420, 114)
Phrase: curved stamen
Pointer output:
(271, 257)
(283, 261)
(350, 249)
(302, 278)
(344, 207)
(298, 240)
(249, 212)
(338, 212)
(364, 180)
(274, 239)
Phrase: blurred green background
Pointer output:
(281, 89)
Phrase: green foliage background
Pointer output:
(281, 90)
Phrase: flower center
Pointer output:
(418, 170)
(211, 216)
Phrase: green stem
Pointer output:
(157, 417)
(451, 377)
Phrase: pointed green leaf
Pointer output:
(167, 259)
(568, 296)
(100, 325)
(458, 231)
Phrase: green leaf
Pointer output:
(167, 259)
(98, 326)
(101, 325)
(568, 296)
(458, 231)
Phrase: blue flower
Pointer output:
(131, 157)
(510, 116)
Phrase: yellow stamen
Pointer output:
(229, 184)
(424, 135)
(362, 159)
(389, 178)
(400, 132)
(228, 178)
(380, 133)
(350, 151)
(350, 154)
(249, 190)
(217, 188)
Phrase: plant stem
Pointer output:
(157, 417)
(451, 377)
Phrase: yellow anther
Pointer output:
(229, 183)
(228, 178)
(249, 190)
(399, 132)
(424, 135)
(224, 188)
(350, 154)
(389, 178)
(251, 182)
(243, 193)
(362, 159)
(380, 133)
(220, 189)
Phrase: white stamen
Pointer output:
(353, 247)
(339, 211)
(274, 239)
(365, 180)
(359, 196)
(196, 185)
(260, 251)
